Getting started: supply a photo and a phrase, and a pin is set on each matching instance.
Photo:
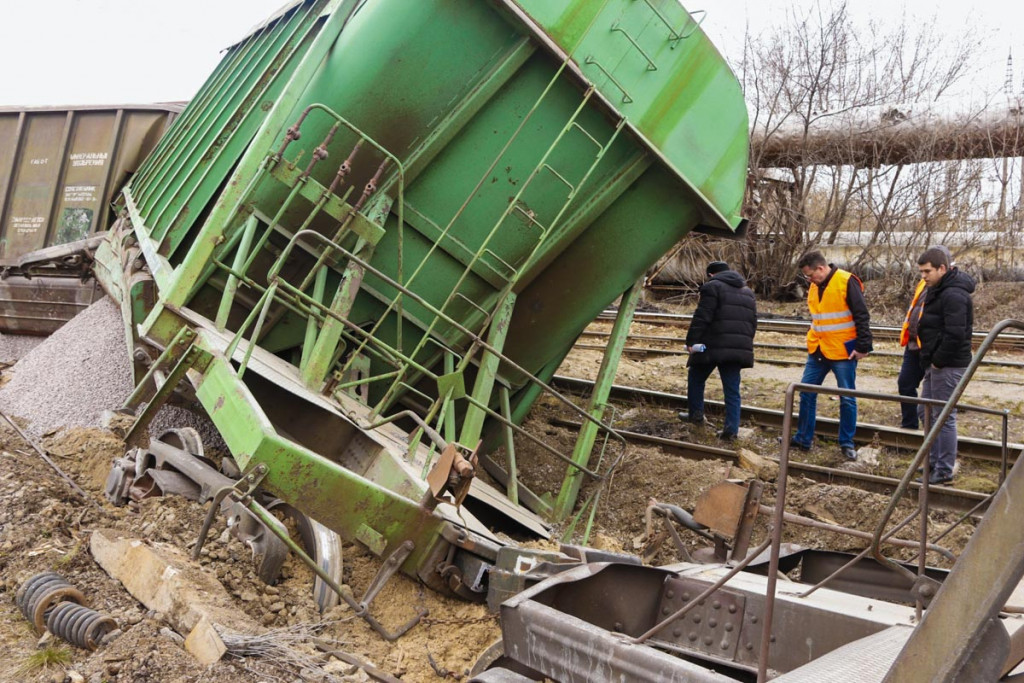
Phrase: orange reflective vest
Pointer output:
(905, 332)
(831, 320)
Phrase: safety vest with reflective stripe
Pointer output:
(831, 320)
(905, 332)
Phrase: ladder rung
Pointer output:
(651, 66)
(529, 215)
(443, 347)
(470, 302)
(572, 188)
(585, 132)
(511, 269)
(677, 34)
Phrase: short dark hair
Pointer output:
(934, 256)
(811, 259)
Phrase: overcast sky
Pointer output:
(61, 52)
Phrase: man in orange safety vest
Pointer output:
(839, 336)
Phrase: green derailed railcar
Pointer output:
(378, 228)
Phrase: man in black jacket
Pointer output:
(944, 333)
(724, 324)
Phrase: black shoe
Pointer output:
(936, 479)
(698, 419)
(796, 444)
(849, 452)
(726, 436)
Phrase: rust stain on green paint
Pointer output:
(574, 22)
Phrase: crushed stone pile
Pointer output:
(13, 347)
(80, 371)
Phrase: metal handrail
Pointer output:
(932, 434)
(936, 427)
(274, 277)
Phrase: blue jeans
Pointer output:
(697, 377)
(907, 383)
(939, 383)
(846, 378)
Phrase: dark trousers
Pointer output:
(939, 383)
(697, 377)
(909, 380)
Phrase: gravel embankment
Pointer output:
(80, 371)
(14, 347)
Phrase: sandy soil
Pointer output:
(46, 526)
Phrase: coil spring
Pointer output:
(79, 625)
(41, 592)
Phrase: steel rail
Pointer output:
(795, 326)
(895, 437)
(940, 497)
(661, 350)
(639, 352)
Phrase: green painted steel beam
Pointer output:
(598, 401)
(158, 265)
(231, 286)
(321, 356)
(487, 371)
(327, 491)
(335, 207)
(512, 488)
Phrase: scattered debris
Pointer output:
(869, 455)
(163, 579)
(761, 467)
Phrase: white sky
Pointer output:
(63, 52)
(999, 23)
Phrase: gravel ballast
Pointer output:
(80, 371)
(14, 347)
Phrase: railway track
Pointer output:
(943, 497)
(660, 345)
(894, 437)
(797, 326)
(642, 352)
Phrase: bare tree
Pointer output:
(817, 73)
(853, 151)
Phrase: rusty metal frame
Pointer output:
(924, 585)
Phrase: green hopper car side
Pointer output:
(380, 225)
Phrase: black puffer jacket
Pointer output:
(947, 322)
(725, 321)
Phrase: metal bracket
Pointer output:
(453, 473)
(387, 570)
(626, 99)
(924, 589)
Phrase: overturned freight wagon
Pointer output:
(376, 231)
